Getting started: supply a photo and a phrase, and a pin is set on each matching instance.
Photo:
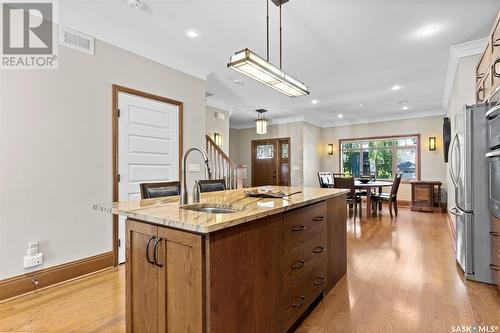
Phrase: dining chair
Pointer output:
(212, 185)
(352, 198)
(325, 179)
(391, 198)
(160, 189)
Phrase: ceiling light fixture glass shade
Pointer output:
(250, 64)
(261, 122)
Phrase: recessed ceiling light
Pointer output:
(428, 31)
(238, 81)
(405, 107)
(192, 33)
(362, 104)
(314, 101)
(396, 87)
(340, 116)
(403, 101)
(136, 3)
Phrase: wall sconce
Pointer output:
(218, 139)
(432, 143)
(330, 149)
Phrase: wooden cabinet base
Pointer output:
(238, 279)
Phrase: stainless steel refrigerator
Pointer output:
(469, 174)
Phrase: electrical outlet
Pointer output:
(31, 261)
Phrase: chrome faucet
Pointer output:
(196, 189)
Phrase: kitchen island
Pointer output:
(257, 266)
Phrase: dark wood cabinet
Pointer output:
(426, 196)
(259, 276)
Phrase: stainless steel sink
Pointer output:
(211, 208)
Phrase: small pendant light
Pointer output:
(261, 122)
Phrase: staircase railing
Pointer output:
(223, 167)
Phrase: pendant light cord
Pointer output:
(267, 22)
(281, 42)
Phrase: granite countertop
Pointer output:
(166, 211)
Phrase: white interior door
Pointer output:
(148, 148)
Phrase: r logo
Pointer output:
(27, 28)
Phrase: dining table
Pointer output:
(374, 184)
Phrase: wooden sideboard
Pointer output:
(426, 196)
(488, 67)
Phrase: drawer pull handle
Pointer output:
(480, 76)
(496, 234)
(496, 268)
(299, 302)
(155, 252)
(318, 218)
(299, 228)
(496, 43)
(298, 264)
(319, 249)
(147, 250)
(494, 67)
(319, 281)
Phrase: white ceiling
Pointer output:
(347, 52)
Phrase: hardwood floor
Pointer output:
(402, 277)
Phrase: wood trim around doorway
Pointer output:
(117, 89)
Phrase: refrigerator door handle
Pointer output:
(452, 164)
(457, 212)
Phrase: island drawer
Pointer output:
(303, 258)
(301, 296)
(302, 224)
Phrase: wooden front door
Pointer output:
(271, 162)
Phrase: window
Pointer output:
(265, 152)
(382, 157)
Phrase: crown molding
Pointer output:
(456, 52)
(288, 120)
(423, 114)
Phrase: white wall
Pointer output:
(55, 142)
(462, 93)
(313, 150)
(216, 125)
(241, 140)
(432, 162)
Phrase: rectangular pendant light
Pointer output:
(250, 64)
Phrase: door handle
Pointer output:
(155, 252)
(455, 211)
(147, 250)
(495, 153)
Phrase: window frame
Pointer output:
(387, 137)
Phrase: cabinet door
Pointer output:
(180, 281)
(142, 278)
